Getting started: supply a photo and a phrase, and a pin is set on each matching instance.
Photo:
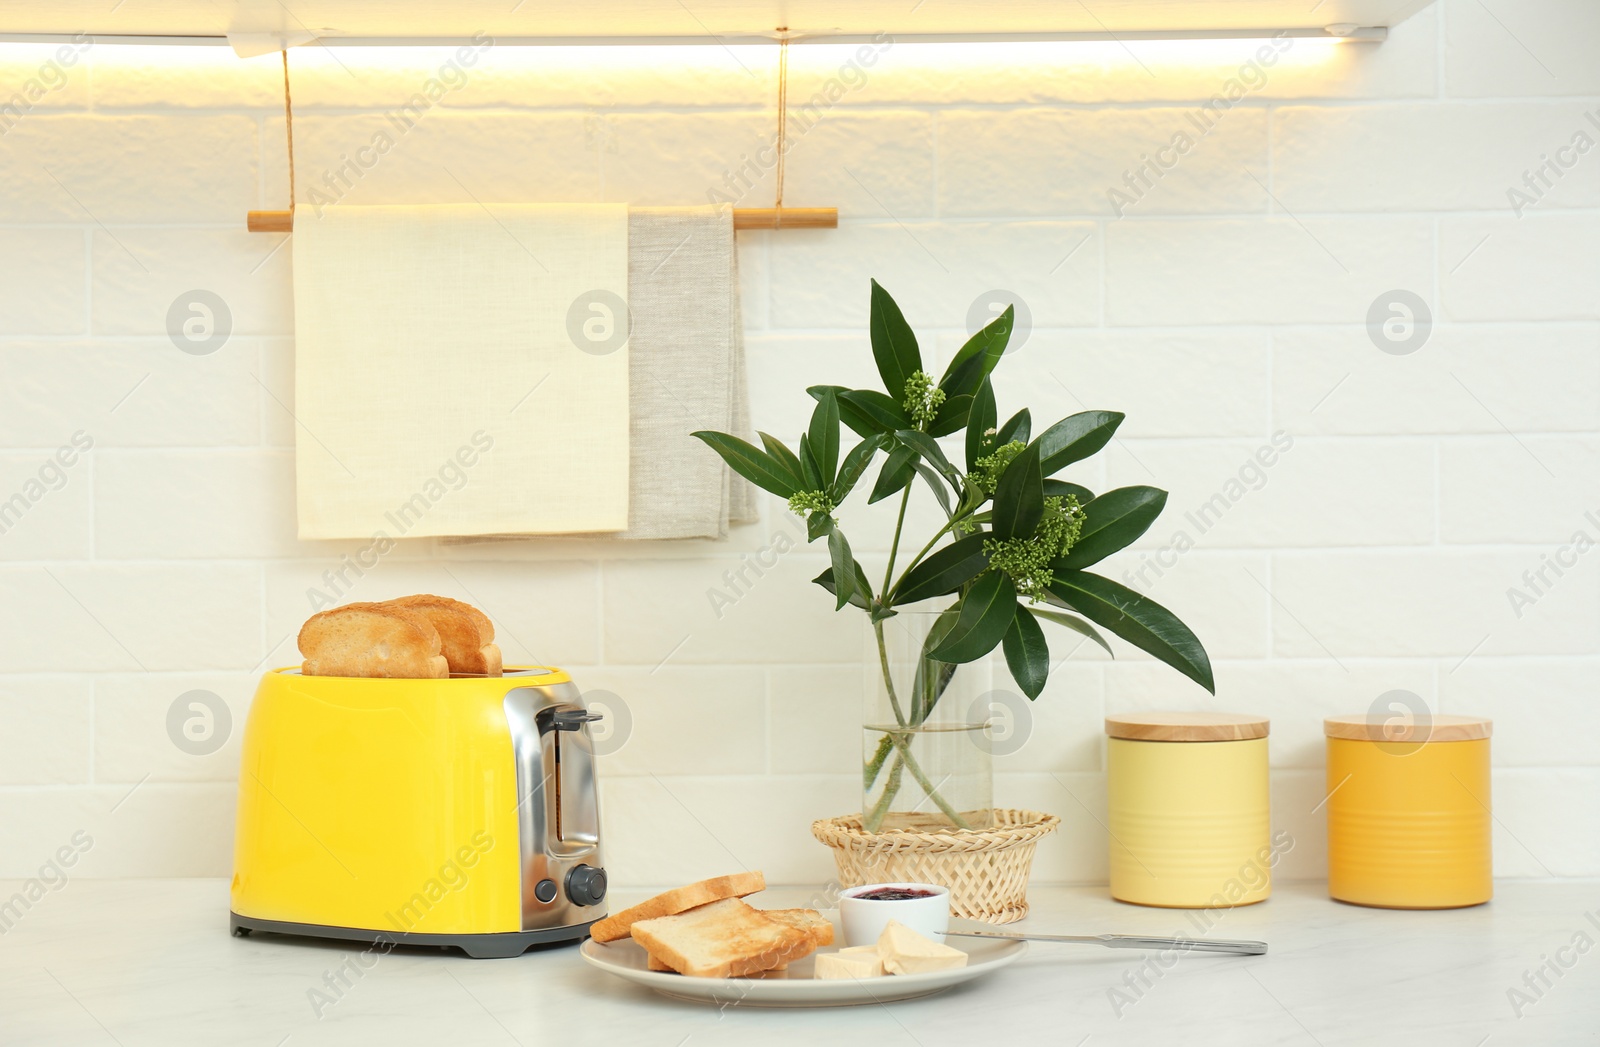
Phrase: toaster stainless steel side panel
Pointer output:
(558, 817)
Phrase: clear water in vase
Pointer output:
(925, 740)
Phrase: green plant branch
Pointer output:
(875, 765)
(873, 820)
(928, 787)
(888, 678)
(904, 760)
(888, 593)
(894, 546)
(898, 740)
(1033, 538)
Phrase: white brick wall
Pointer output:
(1227, 303)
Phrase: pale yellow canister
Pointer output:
(1408, 812)
(1188, 809)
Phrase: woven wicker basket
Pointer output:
(985, 869)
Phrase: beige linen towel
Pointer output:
(687, 373)
(457, 370)
(686, 355)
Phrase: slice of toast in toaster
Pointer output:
(677, 900)
(724, 939)
(466, 635)
(366, 639)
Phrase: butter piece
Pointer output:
(860, 962)
(904, 951)
(870, 951)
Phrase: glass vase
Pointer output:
(925, 733)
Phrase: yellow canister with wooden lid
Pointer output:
(1408, 812)
(1188, 809)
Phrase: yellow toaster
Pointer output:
(458, 812)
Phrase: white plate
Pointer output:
(796, 987)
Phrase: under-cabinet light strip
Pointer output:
(1346, 33)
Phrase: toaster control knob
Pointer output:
(586, 885)
(545, 891)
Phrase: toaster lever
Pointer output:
(569, 719)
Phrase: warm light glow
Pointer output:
(1151, 59)
(741, 74)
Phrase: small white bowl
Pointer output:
(865, 918)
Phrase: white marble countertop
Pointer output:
(132, 963)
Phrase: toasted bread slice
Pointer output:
(366, 639)
(680, 899)
(724, 939)
(816, 927)
(662, 967)
(466, 635)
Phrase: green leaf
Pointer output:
(939, 490)
(825, 439)
(975, 360)
(1138, 619)
(933, 676)
(847, 414)
(861, 597)
(1075, 438)
(944, 571)
(751, 463)
(1077, 625)
(952, 415)
(785, 457)
(855, 463)
(986, 613)
(817, 525)
(1019, 499)
(1018, 427)
(843, 567)
(808, 465)
(979, 422)
(1112, 522)
(1026, 653)
(866, 411)
(1061, 488)
(929, 449)
(894, 347)
(882, 413)
(899, 469)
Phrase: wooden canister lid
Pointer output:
(1424, 729)
(1186, 727)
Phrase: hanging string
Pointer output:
(288, 123)
(783, 111)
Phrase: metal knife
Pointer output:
(1129, 941)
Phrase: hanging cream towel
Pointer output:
(686, 349)
(461, 370)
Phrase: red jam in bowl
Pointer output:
(892, 894)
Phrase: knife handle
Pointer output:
(1223, 945)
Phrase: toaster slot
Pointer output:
(572, 817)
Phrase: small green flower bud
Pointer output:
(986, 470)
(804, 503)
(922, 398)
(1027, 560)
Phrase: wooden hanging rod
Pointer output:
(743, 218)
